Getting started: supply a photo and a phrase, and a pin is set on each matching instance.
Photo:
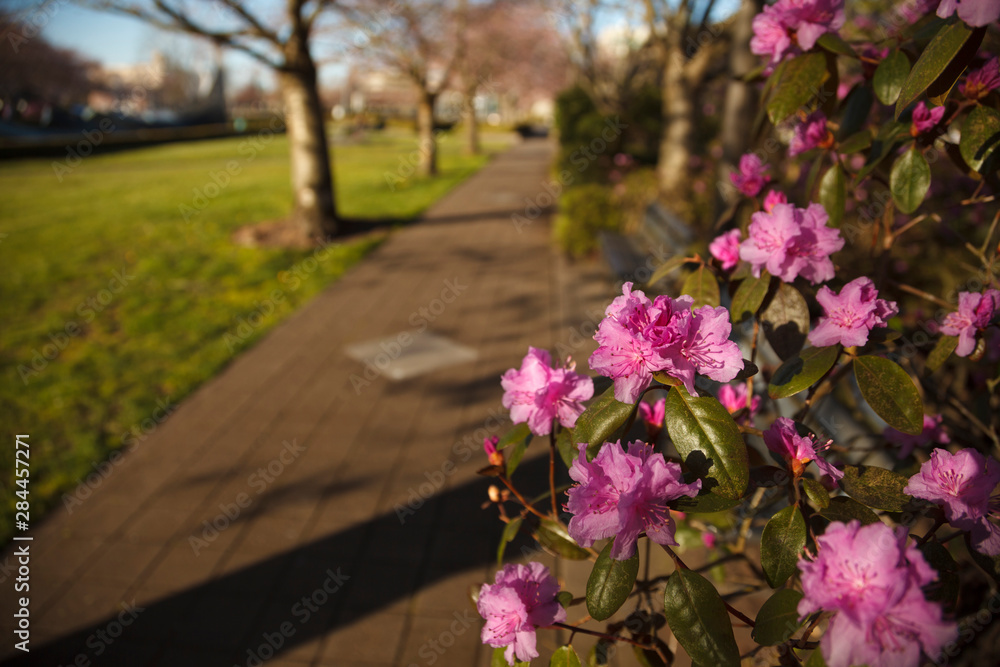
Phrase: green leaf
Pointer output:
(519, 433)
(665, 269)
(910, 180)
(802, 77)
(942, 350)
(702, 287)
(890, 76)
(515, 456)
(786, 321)
(815, 659)
(802, 371)
(610, 583)
(885, 143)
(778, 618)
(553, 536)
(845, 510)
(699, 620)
(816, 492)
(598, 656)
(891, 393)
(601, 420)
(709, 442)
(833, 193)
(945, 589)
(855, 143)
(749, 296)
(498, 659)
(509, 533)
(705, 503)
(856, 109)
(565, 656)
(934, 62)
(781, 544)
(566, 447)
(834, 43)
(875, 487)
(565, 599)
(980, 136)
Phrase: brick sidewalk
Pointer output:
(305, 472)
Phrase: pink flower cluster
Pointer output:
(872, 580)
(851, 315)
(726, 248)
(792, 242)
(975, 311)
(734, 399)
(790, 26)
(925, 119)
(639, 337)
(621, 494)
(810, 133)
(522, 598)
(963, 483)
(752, 176)
(980, 82)
(796, 450)
(976, 13)
(537, 393)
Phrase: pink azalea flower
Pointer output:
(981, 81)
(734, 399)
(792, 242)
(962, 483)
(653, 415)
(810, 133)
(538, 394)
(850, 315)
(751, 177)
(772, 198)
(639, 337)
(797, 451)
(621, 494)
(975, 311)
(726, 248)
(976, 13)
(925, 119)
(490, 447)
(790, 26)
(872, 580)
(522, 598)
(708, 539)
(932, 434)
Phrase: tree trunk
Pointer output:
(425, 125)
(312, 179)
(471, 125)
(678, 119)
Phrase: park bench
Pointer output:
(660, 236)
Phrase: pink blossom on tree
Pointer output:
(772, 198)
(963, 483)
(621, 494)
(796, 450)
(976, 13)
(537, 393)
(734, 399)
(790, 26)
(653, 415)
(981, 81)
(933, 433)
(792, 242)
(522, 598)
(810, 133)
(726, 248)
(975, 311)
(752, 176)
(925, 119)
(872, 580)
(850, 315)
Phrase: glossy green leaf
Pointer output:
(498, 659)
(802, 371)
(565, 656)
(702, 286)
(749, 296)
(816, 492)
(785, 320)
(980, 137)
(699, 620)
(890, 76)
(942, 350)
(509, 533)
(891, 393)
(845, 510)
(519, 433)
(602, 419)
(610, 583)
(815, 659)
(885, 143)
(781, 544)
(709, 442)
(945, 589)
(933, 62)
(834, 43)
(552, 535)
(802, 78)
(910, 180)
(665, 269)
(855, 143)
(705, 503)
(875, 487)
(778, 618)
(833, 193)
(514, 456)
(566, 447)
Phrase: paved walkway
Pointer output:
(303, 471)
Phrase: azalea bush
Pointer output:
(818, 397)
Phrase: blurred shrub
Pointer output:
(583, 212)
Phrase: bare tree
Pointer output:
(33, 68)
(282, 42)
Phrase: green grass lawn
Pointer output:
(112, 304)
